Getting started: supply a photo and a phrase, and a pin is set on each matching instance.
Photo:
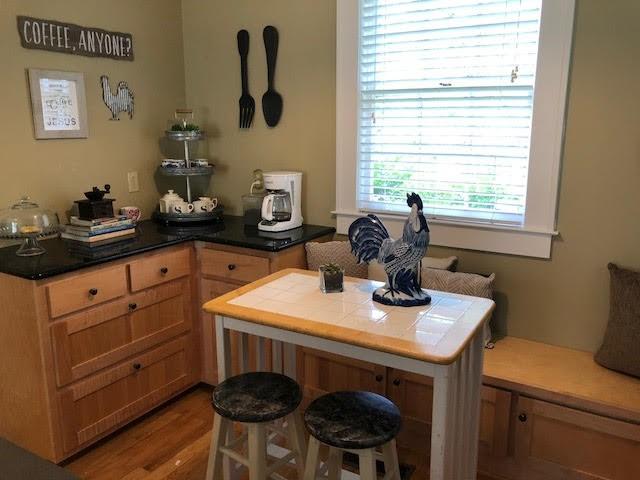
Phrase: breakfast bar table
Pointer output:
(443, 340)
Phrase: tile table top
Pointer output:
(291, 299)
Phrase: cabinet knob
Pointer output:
(93, 292)
(396, 382)
(522, 417)
(231, 266)
(379, 378)
(164, 270)
(137, 366)
(133, 306)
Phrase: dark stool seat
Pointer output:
(353, 420)
(256, 397)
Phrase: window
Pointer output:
(461, 101)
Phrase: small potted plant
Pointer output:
(331, 278)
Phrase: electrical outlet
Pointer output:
(132, 178)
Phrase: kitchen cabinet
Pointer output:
(557, 442)
(90, 342)
(320, 373)
(86, 352)
(223, 269)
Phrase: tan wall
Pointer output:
(56, 172)
(305, 76)
(562, 301)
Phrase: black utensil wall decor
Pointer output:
(246, 103)
(271, 100)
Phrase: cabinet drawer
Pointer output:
(85, 290)
(233, 266)
(102, 403)
(156, 269)
(556, 442)
(88, 341)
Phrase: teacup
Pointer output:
(132, 213)
(205, 204)
(182, 207)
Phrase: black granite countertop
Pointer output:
(64, 256)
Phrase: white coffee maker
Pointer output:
(281, 208)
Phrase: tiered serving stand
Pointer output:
(187, 172)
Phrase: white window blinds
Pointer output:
(446, 99)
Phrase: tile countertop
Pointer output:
(291, 300)
(64, 256)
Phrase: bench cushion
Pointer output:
(620, 349)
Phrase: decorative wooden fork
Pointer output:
(246, 102)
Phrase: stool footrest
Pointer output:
(280, 462)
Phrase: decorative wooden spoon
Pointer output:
(271, 100)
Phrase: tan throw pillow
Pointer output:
(458, 282)
(620, 348)
(319, 253)
(376, 272)
(463, 284)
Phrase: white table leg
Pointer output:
(223, 346)
(456, 415)
(476, 356)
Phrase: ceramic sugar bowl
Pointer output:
(168, 200)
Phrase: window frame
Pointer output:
(534, 237)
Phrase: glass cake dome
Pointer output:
(26, 219)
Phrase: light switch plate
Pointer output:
(132, 179)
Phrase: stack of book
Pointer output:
(98, 230)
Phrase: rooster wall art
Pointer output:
(400, 258)
(121, 101)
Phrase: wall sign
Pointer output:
(54, 36)
(58, 103)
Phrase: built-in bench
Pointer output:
(569, 417)
(561, 375)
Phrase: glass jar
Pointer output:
(26, 219)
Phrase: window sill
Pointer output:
(487, 238)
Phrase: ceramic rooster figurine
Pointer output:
(401, 258)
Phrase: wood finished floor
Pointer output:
(171, 443)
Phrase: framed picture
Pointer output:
(58, 104)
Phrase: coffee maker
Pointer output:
(281, 207)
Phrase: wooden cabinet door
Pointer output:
(101, 403)
(414, 396)
(211, 289)
(555, 442)
(321, 372)
(88, 341)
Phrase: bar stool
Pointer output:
(255, 399)
(356, 422)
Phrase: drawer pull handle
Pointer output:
(522, 417)
(396, 382)
(133, 306)
(164, 270)
(231, 266)
(93, 292)
(137, 366)
(379, 378)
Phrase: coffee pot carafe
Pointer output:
(281, 207)
(276, 207)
